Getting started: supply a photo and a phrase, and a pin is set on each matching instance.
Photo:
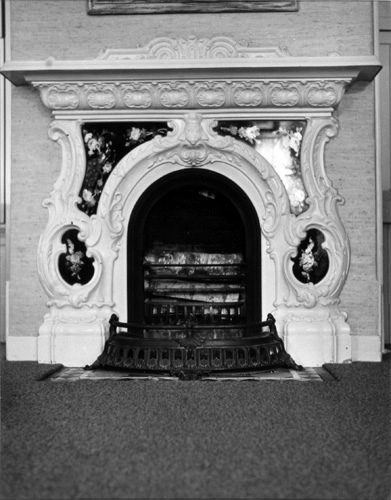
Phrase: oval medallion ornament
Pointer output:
(101, 98)
(137, 98)
(312, 261)
(284, 95)
(63, 98)
(74, 265)
(247, 96)
(318, 96)
(172, 97)
(208, 96)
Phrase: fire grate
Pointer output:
(191, 351)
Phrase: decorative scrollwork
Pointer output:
(220, 47)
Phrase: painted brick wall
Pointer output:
(61, 28)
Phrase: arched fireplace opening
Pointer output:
(194, 254)
(194, 283)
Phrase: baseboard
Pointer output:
(21, 348)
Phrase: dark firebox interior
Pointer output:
(194, 254)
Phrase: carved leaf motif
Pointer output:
(194, 155)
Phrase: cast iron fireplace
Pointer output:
(194, 283)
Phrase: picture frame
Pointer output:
(132, 7)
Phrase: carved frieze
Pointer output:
(260, 94)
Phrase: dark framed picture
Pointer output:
(105, 7)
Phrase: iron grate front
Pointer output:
(190, 351)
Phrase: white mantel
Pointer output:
(192, 83)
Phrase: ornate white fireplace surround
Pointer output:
(190, 84)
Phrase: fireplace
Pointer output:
(193, 194)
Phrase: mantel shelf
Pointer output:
(275, 68)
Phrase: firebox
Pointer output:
(194, 253)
